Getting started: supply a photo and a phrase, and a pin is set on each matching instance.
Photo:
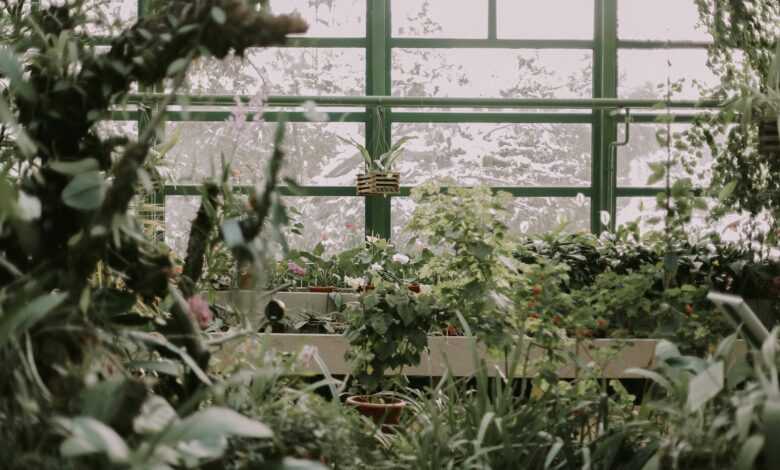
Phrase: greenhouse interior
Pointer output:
(390, 234)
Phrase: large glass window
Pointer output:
(438, 18)
(664, 20)
(440, 50)
(547, 19)
(492, 73)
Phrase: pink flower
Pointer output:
(295, 268)
(200, 311)
(350, 226)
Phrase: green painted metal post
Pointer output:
(379, 124)
(492, 20)
(605, 76)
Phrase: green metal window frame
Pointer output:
(379, 43)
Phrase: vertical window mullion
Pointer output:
(378, 124)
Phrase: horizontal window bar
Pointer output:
(427, 43)
(476, 117)
(325, 42)
(541, 191)
(440, 102)
(195, 190)
(648, 192)
(291, 42)
(219, 116)
(639, 44)
(658, 118)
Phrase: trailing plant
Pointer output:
(744, 55)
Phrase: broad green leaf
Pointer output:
(85, 191)
(665, 350)
(232, 234)
(289, 463)
(658, 171)
(727, 191)
(651, 375)
(749, 452)
(19, 320)
(554, 450)
(76, 167)
(771, 420)
(705, 386)
(218, 15)
(156, 414)
(90, 436)
(215, 422)
(177, 66)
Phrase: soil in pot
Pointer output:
(384, 411)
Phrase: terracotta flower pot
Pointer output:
(385, 414)
(322, 289)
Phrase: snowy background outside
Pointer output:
(493, 154)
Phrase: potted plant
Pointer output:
(379, 177)
(387, 330)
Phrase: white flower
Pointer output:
(524, 226)
(311, 113)
(354, 282)
(580, 200)
(28, 206)
(425, 288)
(605, 218)
(375, 268)
(400, 258)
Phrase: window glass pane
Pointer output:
(732, 227)
(534, 19)
(401, 210)
(315, 155)
(496, 154)
(117, 128)
(106, 17)
(644, 148)
(642, 71)
(282, 71)
(179, 214)
(674, 20)
(542, 214)
(439, 18)
(492, 73)
(327, 18)
(336, 222)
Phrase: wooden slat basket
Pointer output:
(375, 184)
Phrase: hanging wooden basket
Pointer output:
(378, 184)
(768, 138)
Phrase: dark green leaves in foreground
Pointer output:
(85, 191)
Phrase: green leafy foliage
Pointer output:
(388, 329)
